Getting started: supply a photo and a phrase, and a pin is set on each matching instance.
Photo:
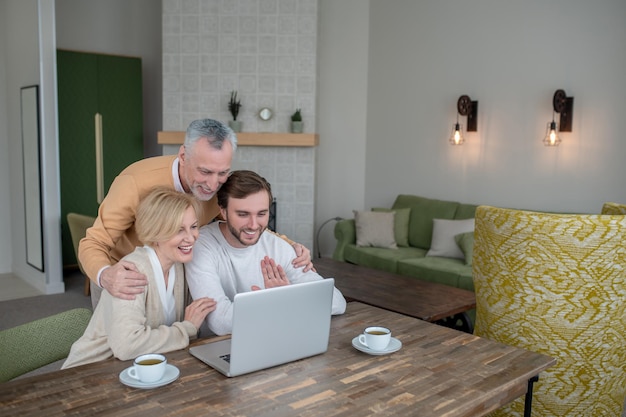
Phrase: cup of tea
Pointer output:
(148, 368)
(376, 337)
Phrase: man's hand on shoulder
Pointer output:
(123, 280)
(303, 258)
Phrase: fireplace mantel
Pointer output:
(251, 139)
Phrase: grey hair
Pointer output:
(215, 132)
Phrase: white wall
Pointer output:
(22, 70)
(342, 101)
(26, 29)
(511, 57)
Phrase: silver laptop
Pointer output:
(272, 327)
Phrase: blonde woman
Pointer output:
(156, 320)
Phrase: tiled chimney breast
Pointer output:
(266, 50)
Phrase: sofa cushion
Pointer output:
(613, 208)
(423, 211)
(447, 271)
(444, 231)
(375, 229)
(465, 211)
(379, 258)
(401, 224)
(466, 243)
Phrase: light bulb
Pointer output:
(552, 135)
(457, 135)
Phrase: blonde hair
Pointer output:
(160, 214)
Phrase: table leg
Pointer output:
(529, 396)
(460, 321)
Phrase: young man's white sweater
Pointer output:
(220, 271)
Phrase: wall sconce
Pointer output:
(564, 106)
(465, 107)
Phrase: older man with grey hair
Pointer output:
(202, 165)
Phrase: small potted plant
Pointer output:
(233, 107)
(296, 122)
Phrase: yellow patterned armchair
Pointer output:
(556, 284)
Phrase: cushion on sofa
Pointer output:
(375, 229)
(444, 231)
(423, 211)
(613, 208)
(466, 244)
(379, 258)
(401, 224)
(447, 271)
(465, 211)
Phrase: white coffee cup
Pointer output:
(376, 337)
(148, 368)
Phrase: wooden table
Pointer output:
(438, 372)
(422, 299)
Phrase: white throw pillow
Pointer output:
(443, 243)
(375, 228)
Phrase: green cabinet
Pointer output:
(100, 129)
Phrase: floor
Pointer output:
(20, 303)
(13, 288)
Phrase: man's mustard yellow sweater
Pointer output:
(113, 234)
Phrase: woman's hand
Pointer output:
(197, 311)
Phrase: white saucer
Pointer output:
(393, 346)
(170, 375)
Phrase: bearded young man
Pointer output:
(238, 255)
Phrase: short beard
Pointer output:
(237, 235)
(201, 196)
(193, 189)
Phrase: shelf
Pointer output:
(251, 139)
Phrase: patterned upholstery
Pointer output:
(614, 208)
(556, 284)
(37, 343)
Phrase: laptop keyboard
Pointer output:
(226, 357)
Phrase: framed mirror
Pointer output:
(29, 100)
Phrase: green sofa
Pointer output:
(411, 260)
